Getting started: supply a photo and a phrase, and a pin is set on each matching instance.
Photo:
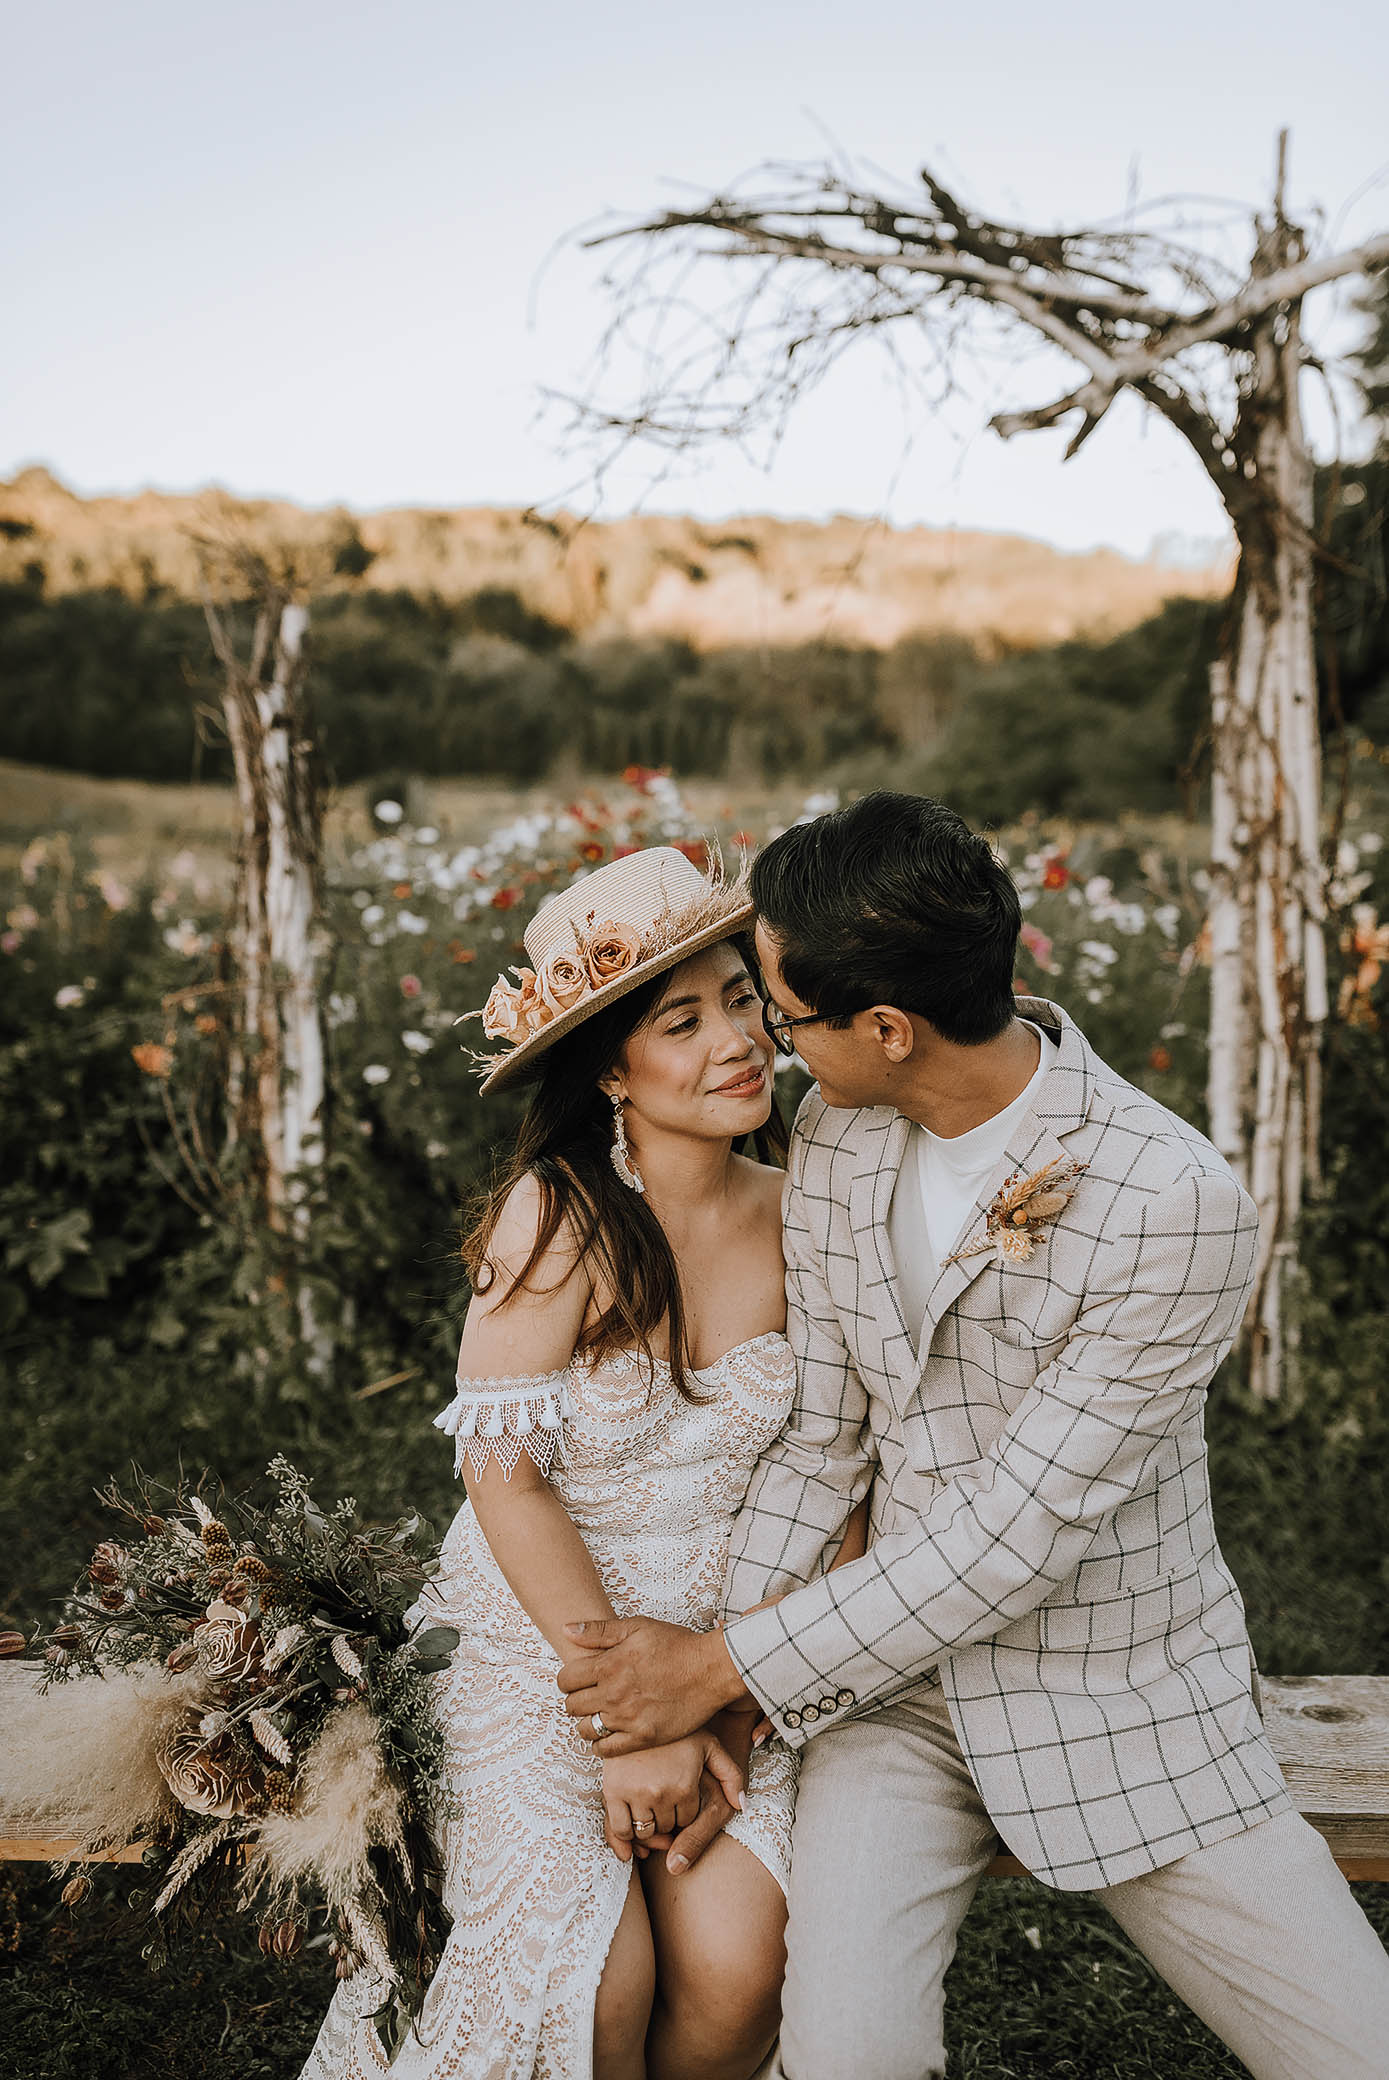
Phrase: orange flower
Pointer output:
(1055, 872)
(591, 850)
(506, 899)
(205, 1022)
(1160, 1059)
(611, 949)
(153, 1059)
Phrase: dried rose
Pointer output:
(209, 1777)
(561, 983)
(501, 1015)
(611, 949)
(107, 1562)
(182, 1657)
(229, 1648)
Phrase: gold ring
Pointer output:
(643, 1827)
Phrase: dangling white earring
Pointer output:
(622, 1161)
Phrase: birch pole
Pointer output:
(276, 939)
(821, 264)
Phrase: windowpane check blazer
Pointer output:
(1041, 1533)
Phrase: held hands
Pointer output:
(675, 1798)
(647, 1683)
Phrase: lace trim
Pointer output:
(501, 1418)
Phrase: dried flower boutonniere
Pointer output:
(1021, 1207)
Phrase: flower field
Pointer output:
(144, 1315)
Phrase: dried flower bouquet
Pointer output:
(242, 1691)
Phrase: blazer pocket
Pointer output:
(1143, 1613)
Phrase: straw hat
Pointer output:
(601, 938)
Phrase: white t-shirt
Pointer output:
(940, 1179)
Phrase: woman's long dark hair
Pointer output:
(565, 1144)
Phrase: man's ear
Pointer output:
(893, 1031)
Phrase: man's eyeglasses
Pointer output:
(780, 1027)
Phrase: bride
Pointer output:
(622, 1367)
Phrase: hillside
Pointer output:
(752, 581)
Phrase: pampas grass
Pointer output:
(345, 1805)
(83, 1752)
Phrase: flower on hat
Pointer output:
(515, 1014)
(610, 950)
(562, 981)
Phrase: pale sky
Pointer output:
(296, 248)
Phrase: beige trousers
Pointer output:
(1259, 1933)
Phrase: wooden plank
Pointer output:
(1330, 1734)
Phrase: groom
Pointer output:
(1010, 1278)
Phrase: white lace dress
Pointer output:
(652, 1480)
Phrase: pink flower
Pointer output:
(1039, 946)
(10, 942)
(410, 985)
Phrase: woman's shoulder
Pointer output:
(535, 1238)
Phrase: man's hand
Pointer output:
(648, 1682)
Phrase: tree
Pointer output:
(257, 618)
(822, 263)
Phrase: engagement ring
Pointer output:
(643, 1827)
(595, 1720)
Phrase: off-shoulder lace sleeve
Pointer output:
(501, 1418)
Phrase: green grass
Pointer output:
(1043, 1987)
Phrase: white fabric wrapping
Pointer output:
(501, 1418)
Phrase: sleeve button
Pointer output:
(828, 1705)
(791, 1719)
(809, 1712)
(845, 1699)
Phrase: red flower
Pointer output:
(410, 985)
(506, 899)
(625, 851)
(592, 850)
(1160, 1059)
(640, 777)
(695, 850)
(1055, 872)
(401, 890)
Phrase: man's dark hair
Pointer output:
(893, 900)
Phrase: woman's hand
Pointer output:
(652, 1795)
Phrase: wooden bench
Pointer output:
(1330, 1733)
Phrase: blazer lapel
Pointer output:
(1061, 1106)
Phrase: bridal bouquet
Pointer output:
(240, 1691)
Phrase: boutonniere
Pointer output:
(1021, 1207)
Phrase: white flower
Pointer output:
(427, 835)
(70, 996)
(341, 1010)
(1098, 890)
(1370, 841)
(1167, 917)
(436, 1150)
(376, 1072)
(1102, 955)
(1128, 918)
(185, 938)
(409, 921)
(389, 812)
(360, 898)
(373, 914)
(418, 1043)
